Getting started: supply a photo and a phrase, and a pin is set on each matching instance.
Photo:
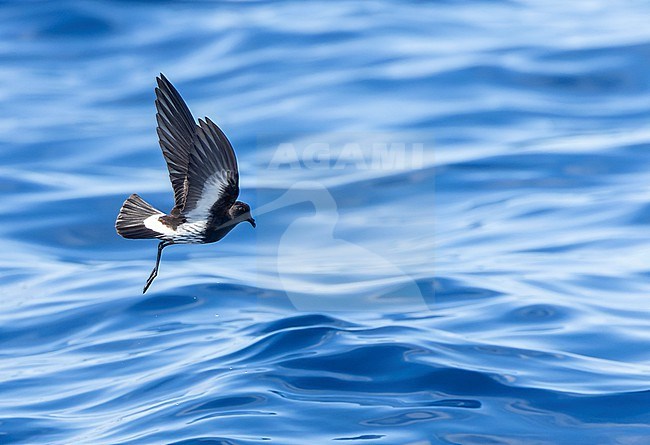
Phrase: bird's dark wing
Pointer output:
(213, 177)
(176, 134)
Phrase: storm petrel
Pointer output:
(203, 172)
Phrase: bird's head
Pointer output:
(240, 212)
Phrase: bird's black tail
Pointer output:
(130, 221)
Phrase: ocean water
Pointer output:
(483, 277)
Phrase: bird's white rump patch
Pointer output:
(153, 223)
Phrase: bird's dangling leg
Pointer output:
(154, 272)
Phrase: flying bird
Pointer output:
(203, 172)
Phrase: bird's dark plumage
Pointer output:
(204, 175)
(176, 134)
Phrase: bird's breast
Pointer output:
(217, 231)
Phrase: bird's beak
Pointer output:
(252, 221)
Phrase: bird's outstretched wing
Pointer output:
(177, 136)
(213, 177)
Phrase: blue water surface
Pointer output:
(491, 288)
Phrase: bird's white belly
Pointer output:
(189, 233)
